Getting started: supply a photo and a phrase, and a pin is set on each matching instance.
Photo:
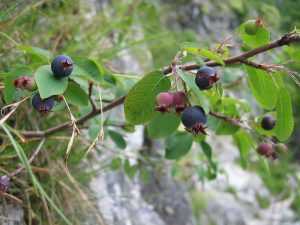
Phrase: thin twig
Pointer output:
(230, 120)
(91, 84)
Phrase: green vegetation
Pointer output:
(49, 145)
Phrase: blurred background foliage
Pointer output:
(107, 30)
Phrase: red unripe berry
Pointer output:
(265, 149)
(179, 101)
(164, 101)
(25, 82)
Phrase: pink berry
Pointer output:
(179, 101)
(164, 101)
(265, 149)
(25, 82)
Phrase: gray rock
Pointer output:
(11, 214)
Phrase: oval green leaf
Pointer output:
(140, 102)
(118, 139)
(75, 95)
(163, 124)
(285, 121)
(178, 145)
(47, 84)
(245, 143)
(263, 87)
(193, 49)
(261, 37)
(88, 69)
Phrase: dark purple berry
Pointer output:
(62, 66)
(203, 82)
(164, 101)
(179, 101)
(265, 149)
(194, 119)
(42, 105)
(205, 78)
(4, 183)
(207, 71)
(268, 123)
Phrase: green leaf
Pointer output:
(263, 87)
(116, 163)
(189, 80)
(117, 139)
(130, 170)
(221, 127)
(140, 102)
(42, 54)
(47, 84)
(212, 171)
(261, 37)
(191, 48)
(163, 124)
(93, 131)
(244, 143)
(75, 95)
(285, 121)
(88, 69)
(178, 145)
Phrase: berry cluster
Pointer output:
(61, 66)
(192, 117)
(166, 101)
(271, 150)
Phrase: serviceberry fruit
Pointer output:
(205, 78)
(164, 101)
(268, 122)
(62, 66)
(281, 148)
(265, 149)
(194, 119)
(25, 82)
(42, 105)
(4, 183)
(179, 101)
(251, 26)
